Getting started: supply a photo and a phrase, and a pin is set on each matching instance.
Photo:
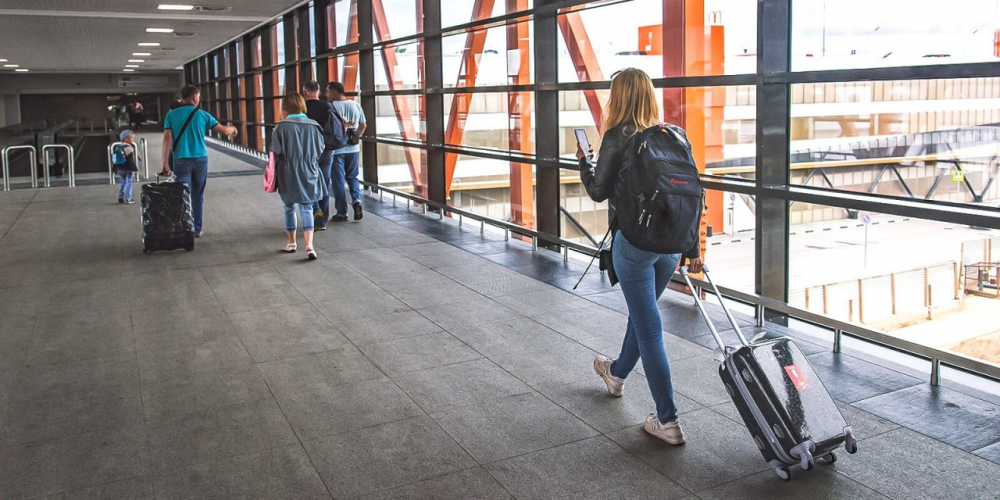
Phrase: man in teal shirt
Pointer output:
(190, 157)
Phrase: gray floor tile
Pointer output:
(823, 482)
(953, 418)
(185, 334)
(610, 344)
(504, 428)
(991, 453)
(397, 357)
(137, 488)
(508, 336)
(863, 424)
(446, 258)
(68, 380)
(218, 433)
(587, 322)
(355, 463)
(545, 301)
(551, 365)
(698, 379)
(339, 287)
(717, 451)
(378, 261)
(857, 379)
(315, 410)
(463, 273)
(279, 473)
(387, 327)
(906, 465)
(590, 402)
(473, 312)
(152, 315)
(72, 337)
(362, 304)
(505, 285)
(218, 373)
(593, 469)
(460, 384)
(424, 288)
(470, 483)
(249, 298)
(66, 463)
(282, 332)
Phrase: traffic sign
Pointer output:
(866, 219)
(957, 175)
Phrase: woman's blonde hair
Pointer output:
(293, 103)
(632, 102)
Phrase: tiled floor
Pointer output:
(414, 359)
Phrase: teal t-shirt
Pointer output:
(192, 144)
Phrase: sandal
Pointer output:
(289, 248)
(311, 254)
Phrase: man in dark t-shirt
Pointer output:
(320, 112)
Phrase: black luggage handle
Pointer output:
(701, 306)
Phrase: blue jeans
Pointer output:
(643, 276)
(194, 173)
(307, 216)
(345, 167)
(125, 185)
(326, 170)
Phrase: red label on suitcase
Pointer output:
(797, 377)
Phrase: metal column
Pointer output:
(773, 132)
(546, 31)
(434, 103)
(366, 63)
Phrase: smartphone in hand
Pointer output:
(581, 139)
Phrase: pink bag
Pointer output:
(270, 180)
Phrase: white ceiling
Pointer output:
(72, 36)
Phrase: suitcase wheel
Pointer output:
(830, 458)
(146, 251)
(850, 444)
(783, 472)
(806, 460)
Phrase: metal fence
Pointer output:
(879, 298)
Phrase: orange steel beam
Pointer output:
(581, 52)
(520, 138)
(400, 104)
(350, 79)
(460, 104)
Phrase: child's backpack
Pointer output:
(118, 156)
(658, 194)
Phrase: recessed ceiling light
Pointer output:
(3, 60)
(129, 70)
(167, 6)
(159, 30)
(131, 65)
(136, 60)
(22, 70)
(141, 54)
(149, 44)
(12, 65)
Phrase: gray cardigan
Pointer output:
(298, 143)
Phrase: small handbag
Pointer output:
(270, 179)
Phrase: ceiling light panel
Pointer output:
(11, 65)
(22, 70)
(159, 30)
(149, 44)
(136, 60)
(131, 65)
(140, 54)
(167, 6)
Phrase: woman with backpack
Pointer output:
(297, 143)
(643, 274)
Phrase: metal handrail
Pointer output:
(111, 165)
(6, 165)
(70, 162)
(579, 226)
(761, 304)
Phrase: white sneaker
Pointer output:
(602, 365)
(670, 432)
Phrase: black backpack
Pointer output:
(334, 130)
(658, 194)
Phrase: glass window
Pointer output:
(346, 22)
(278, 42)
(461, 11)
(724, 44)
(400, 117)
(847, 34)
(312, 31)
(399, 16)
(925, 139)
(403, 63)
(398, 166)
(499, 62)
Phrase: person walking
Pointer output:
(319, 112)
(297, 143)
(643, 275)
(184, 153)
(346, 159)
(126, 166)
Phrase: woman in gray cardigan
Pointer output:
(297, 144)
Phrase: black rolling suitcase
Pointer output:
(167, 223)
(785, 405)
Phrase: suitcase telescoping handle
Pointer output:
(704, 312)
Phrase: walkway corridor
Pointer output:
(414, 359)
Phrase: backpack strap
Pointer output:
(173, 148)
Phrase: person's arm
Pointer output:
(599, 180)
(362, 123)
(168, 139)
(361, 129)
(225, 129)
